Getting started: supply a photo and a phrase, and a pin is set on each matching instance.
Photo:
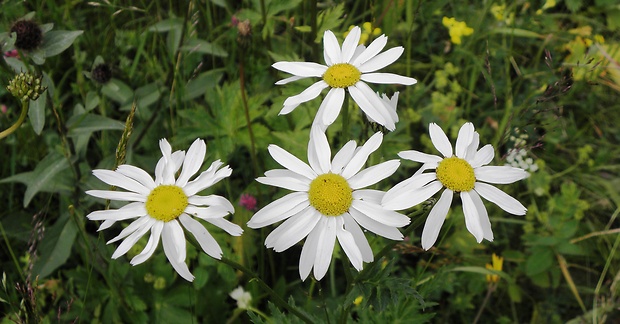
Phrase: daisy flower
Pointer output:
(328, 203)
(464, 173)
(347, 68)
(164, 204)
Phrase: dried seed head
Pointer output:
(29, 34)
(101, 73)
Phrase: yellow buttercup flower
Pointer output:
(457, 29)
(498, 262)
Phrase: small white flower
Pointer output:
(328, 203)
(463, 173)
(164, 204)
(347, 68)
(242, 297)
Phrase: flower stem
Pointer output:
(275, 297)
(19, 122)
(345, 121)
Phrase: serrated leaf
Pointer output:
(204, 47)
(55, 247)
(36, 113)
(329, 19)
(86, 123)
(55, 42)
(166, 25)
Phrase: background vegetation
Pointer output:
(540, 78)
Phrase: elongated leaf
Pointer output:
(202, 46)
(44, 174)
(55, 248)
(166, 25)
(198, 86)
(57, 41)
(36, 113)
(484, 271)
(86, 123)
(118, 91)
(516, 32)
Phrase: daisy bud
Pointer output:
(25, 86)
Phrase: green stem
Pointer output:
(314, 30)
(345, 121)
(19, 122)
(275, 297)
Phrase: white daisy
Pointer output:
(164, 204)
(347, 68)
(328, 203)
(463, 173)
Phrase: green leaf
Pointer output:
(303, 29)
(57, 41)
(36, 113)
(516, 32)
(86, 123)
(573, 5)
(166, 25)
(539, 261)
(118, 91)
(277, 6)
(55, 247)
(198, 86)
(485, 271)
(204, 47)
(92, 100)
(329, 19)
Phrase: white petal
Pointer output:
(319, 152)
(207, 178)
(372, 225)
(193, 161)
(302, 69)
(206, 212)
(485, 223)
(411, 192)
(373, 49)
(331, 48)
(387, 78)
(435, 219)
(380, 214)
(310, 93)
(373, 174)
(360, 239)
(348, 244)
(500, 174)
(119, 180)
(350, 44)
(116, 195)
(106, 224)
(289, 80)
(419, 156)
(293, 230)
(132, 227)
(202, 235)
(472, 219)
(291, 162)
(151, 245)
(361, 155)
(308, 252)
(133, 238)
(465, 137)
(176, 232)
(342, 158)
(372, 105)
(471, 149)
(285, 182)
(484, 156)
(131, 210)
(137, 174)
(370, 195)
(211, 200)
(171, 250)
(159, 171)
(228, 226)
(440, 140)
(279, 209)
(169, 163)
(382, 60)
(500, 198)
(325, 248)
(331, 106)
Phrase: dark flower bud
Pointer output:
(29, 34)
(101, 73)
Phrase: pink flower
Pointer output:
(3, 109)
(248, 202)
(11, 53)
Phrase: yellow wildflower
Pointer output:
(498, 262)
(358, 300)
(457, 29)
(548, 4)
(498, 11)
(367, 31)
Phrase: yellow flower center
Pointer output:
(341, 75)
(456, 174)
(330, 194)
(166, 202)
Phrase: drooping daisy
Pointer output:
(328, 203)
(164, 204)
(464, 173)
(347, 68)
